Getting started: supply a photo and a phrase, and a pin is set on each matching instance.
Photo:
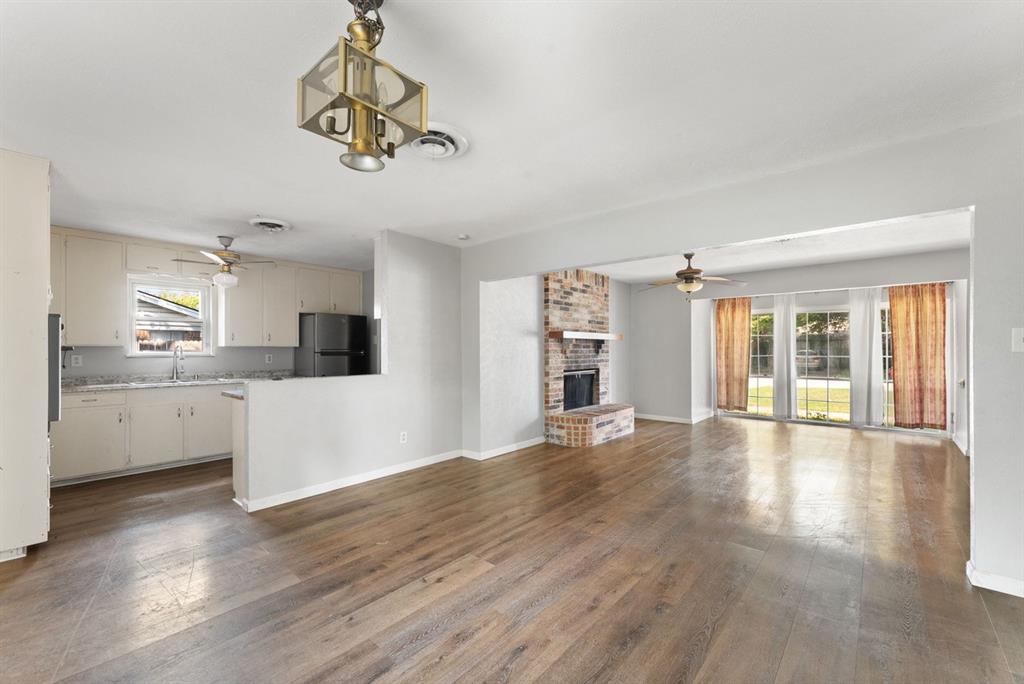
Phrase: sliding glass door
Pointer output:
(823, 366)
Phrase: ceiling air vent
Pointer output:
(441, 141)
(270, 225)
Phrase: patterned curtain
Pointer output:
(918, 316)
(732, 352)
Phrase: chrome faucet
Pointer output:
(178, 357)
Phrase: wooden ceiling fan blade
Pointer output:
(246, 261)
(213, 257)
(660, 283)
(724, 281)
(192, 261)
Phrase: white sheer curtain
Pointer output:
(866, 398)
(784, 334)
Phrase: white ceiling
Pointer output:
(948, 230)
(176, 120)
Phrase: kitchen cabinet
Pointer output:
(105, 432)
(57, 273)
(157, 434)
(95, 292)
(347, 292)
(280, 313)
(206, 269)
(88, 441)
(209, 427)
(241, 310)
(150, 259)
(314, 291)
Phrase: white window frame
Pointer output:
(206, 299)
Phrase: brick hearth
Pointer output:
(578, 300)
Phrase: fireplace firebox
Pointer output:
(578, 388)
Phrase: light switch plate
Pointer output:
(1018, 340)
(76, 360)
(269, 358)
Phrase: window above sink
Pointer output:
(166, 312)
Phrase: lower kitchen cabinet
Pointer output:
(157, 434)
(88, 441)
(209, 428)
(100, 433)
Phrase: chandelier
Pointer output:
(353, 98)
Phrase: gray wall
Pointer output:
(977, 167)
(112, 361)
(316, 432)
(511, 335)
(620, 359)
(659, 335)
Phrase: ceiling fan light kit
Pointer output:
(227, 259)
(353, 98)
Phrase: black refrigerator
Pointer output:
(331, 344)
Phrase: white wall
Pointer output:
(511, 372)
(620, 358)
(980, 167)
(308, 435)
(701, 360)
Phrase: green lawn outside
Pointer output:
(813, 402)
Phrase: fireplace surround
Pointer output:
(577, 365)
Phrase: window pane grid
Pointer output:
(823, 366)
(761, 383)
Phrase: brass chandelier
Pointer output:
(353, 98)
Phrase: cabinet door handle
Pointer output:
(268, 337)
(116, 335)
(191, 410)
(89, 401)
(232, 337)
(152, 268)
(120, 417)
(179, 413)
(302, 304)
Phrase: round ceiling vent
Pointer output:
(441, 141)
(270, 225)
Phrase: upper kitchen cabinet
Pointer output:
(57, 273)
(280, 315)
(150, 259)
(241, 310)
(96, 292)
(206, 269)
(314, 289)
(347, 292)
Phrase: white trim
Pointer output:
(962, 446)
(676, 419)
(250, 505)
(498, 451)
(1000, 583)
(207, 313)
(13, 554)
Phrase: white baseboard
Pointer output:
(962, 446)
(251, 505)
(675, 419)
(508, 448)
(12, 554)
(1000, 583)
(137, 471)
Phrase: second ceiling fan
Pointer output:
(691, 279)
(226, 259)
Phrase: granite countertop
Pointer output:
(106, 383)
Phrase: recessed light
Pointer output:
(461, 236)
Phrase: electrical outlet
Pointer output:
(269, 358)
(76, 360)
(1017, 345)
(403, 437)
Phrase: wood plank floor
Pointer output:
(730, 551)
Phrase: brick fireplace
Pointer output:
(577, 302)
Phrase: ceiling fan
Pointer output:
(227, 259)
(691, 279)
